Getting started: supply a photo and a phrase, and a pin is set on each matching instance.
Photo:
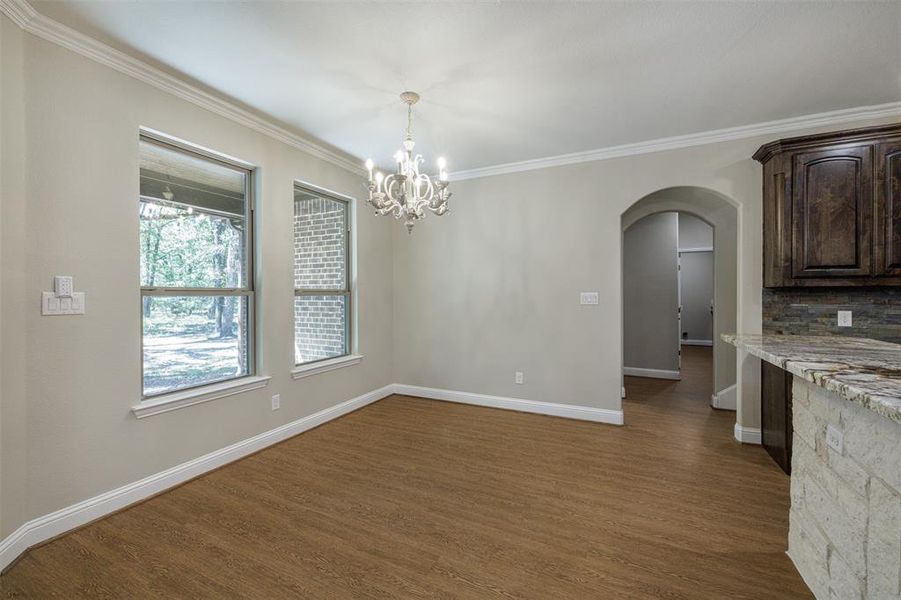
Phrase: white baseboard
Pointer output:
(725, 399)
(697, 342)
(569, 411)
(747, 435)
(49, 526)
(652, 373)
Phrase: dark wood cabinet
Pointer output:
(888, 208)
(832, 203)
(776, 414)
(832, 209)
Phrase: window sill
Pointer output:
(325, 365)
(206, 393)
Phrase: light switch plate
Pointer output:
(52, 305)
(588, 298)
(844, 318)
(834, 438)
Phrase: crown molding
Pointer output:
(19, 11)
(30, 20)
(33, 22)
(835, 117)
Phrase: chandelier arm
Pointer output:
(430, 188)
(392, 183)
(384, 210)
(378, 199)
(438, 210)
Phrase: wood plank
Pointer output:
(413, 498)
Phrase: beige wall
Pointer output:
(494, 287)
(12, 273)
(69, 382)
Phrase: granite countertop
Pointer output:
(864, 371)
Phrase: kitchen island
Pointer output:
(845, 521)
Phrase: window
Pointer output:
(321, 276)
(196, 268)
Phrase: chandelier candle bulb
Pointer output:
(408, 192)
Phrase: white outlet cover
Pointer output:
(844, 318)
(276, 401)
(588, 298)
(834, 438)
(518, 377)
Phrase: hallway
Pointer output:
(680, 410)
(691, 394)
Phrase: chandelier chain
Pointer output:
(409, 122)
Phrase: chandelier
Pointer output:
(407, 193)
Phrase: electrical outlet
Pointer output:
(518, 377)
(276, 401)
(844, 318)
(588, 298)
(834, 438)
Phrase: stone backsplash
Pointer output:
(876, 312)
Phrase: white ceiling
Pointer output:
(504, 81)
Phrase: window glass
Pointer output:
(193, 340)
(321, 279)
(320, 242)
(320, 328)
(193, 221)
(196, 297)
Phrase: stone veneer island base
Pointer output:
(845, 522)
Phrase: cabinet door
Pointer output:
(832, 212)
(776, 414)
(776, 223)
(888, 208)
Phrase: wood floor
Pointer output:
(411, 498)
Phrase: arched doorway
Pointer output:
(721, 214)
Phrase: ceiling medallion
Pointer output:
(407, 193)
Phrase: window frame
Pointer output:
(247, 290)
(348, 292)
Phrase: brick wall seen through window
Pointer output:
(321, 285)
